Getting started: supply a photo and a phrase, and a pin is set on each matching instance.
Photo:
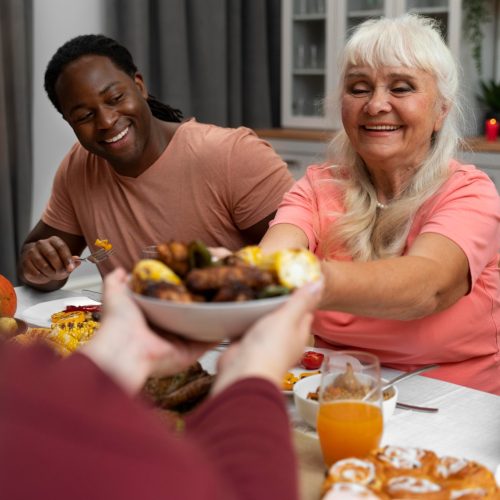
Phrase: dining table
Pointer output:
(467, 423)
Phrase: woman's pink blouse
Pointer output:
(464, 338)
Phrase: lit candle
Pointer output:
(491, 129)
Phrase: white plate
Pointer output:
(206, 321)
(297, 370)
(39, 314)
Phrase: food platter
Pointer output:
(40, 314)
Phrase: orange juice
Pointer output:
(348, 429)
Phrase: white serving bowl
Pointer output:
(206, 321)
(308, 408)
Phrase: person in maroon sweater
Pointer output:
(70, 429)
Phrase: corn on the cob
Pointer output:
(154, 270)
(250, 255)
(80, 331)
(64, 317)
(63, 338)
(293, 267)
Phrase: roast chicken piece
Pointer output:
(167, 291)
(234, 292)
(180, 390)
(175, 255)
(214, 278)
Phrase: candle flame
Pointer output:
(493, 121)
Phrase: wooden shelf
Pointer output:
(481, 145)
(475, 144)
(297, 134)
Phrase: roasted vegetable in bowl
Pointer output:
(186, 273)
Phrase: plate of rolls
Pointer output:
(411, 473)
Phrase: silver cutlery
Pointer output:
(404, 376)
(97, 256)
(426, 409)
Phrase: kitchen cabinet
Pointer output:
(487, 162)
(313, 35)
(303, 147)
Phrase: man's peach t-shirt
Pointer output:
(464, 338)
(208, 184)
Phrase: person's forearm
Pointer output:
(402, 288)
(248, 418)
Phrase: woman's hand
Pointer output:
(273, 344)
(127, 349)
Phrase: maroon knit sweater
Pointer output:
(67, 431)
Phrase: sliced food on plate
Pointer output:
(309, 365)
(69, 329)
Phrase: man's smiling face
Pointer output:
(107, 109)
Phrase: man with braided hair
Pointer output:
(139, 174)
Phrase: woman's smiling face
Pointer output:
(390, 113)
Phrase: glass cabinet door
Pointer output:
(358, 11)
(446, 12)
(306, 70)
(314, 33)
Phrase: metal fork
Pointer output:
(425, 409)
(98, 256)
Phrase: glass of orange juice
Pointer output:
(350, 420)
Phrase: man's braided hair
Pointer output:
(103, 46)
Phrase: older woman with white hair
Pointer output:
(408, 235)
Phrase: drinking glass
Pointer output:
(350, 422)
(149, 252)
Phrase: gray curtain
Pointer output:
(216, 60)
(15, 130)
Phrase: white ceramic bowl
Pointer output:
(308, 408)
(205, 321)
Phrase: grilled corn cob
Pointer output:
(250, 255)
(63, 338)
(154, 270)
(293, 267)
(78, 324)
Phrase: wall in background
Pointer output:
(55, 22)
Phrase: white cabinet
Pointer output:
(488, 162)
(299, 154)
(313, 35)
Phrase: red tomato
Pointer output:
(312, 360)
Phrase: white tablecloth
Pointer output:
(467, 424)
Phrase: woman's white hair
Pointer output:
(363, 231)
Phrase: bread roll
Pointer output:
(411, 473)
(461, 474)
(415, 487)
(355, 470)
(350, 491)
(397, 461)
